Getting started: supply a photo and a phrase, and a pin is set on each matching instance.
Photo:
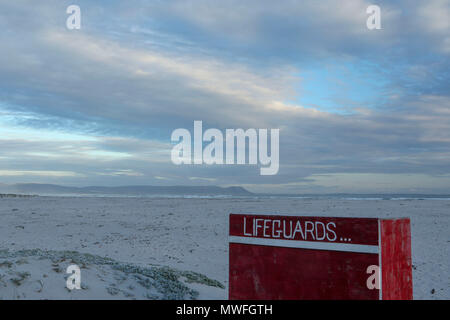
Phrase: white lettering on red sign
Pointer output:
(288, 229)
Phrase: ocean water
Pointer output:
(349, 197)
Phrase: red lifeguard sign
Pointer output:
(286, 257)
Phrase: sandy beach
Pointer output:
(184, 240)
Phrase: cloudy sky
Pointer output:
(358, 110)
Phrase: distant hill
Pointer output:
(36, 188)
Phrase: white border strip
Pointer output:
(380, 274)
(361, 248)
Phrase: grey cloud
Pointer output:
(130, 95)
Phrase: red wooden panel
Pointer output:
(264, 272)
(396, 267)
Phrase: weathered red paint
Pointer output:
(396, 263)
(290, 273)
(259, 271)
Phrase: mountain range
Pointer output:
(49, 189)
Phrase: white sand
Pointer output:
(183, 234)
